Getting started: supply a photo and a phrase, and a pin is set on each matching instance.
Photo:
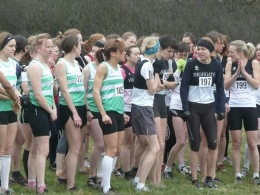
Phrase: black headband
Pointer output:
(206, 44)
(99, 44)
(6, 40)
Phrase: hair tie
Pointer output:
(154, 49)
(6, 40)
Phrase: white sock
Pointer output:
(167, 169)
(114, 161)
(247, 157)
(5, 171)
(238, 175)
(255, 175)
(99, 166)
(136, 179)
(107, 165)
(140, 185)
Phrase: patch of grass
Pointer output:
(181, 184)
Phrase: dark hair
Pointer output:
(128, 49)
(112, 45)
(183, 47)
(21, 43)
(188, 34)
(168, 41)
(68, 43)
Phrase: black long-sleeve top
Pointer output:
(197, 84)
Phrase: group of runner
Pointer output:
(127, 95)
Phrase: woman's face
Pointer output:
(79, 46)
(10, 48)
(55, 53)
(203, 53)
(45, 49)
(130, 41)
(134, 55)
(233, 54)
(189, 42)
(167, 53)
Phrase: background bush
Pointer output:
(237, 18)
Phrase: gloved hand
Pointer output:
(181, 65)
(170, 78)
(221, 116)
(157, 66)
(186, 115)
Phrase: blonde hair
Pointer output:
(248, 48)
(148, 43)
(127, 35)
(39, 39)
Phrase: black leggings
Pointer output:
(170, 139)
(202, 115)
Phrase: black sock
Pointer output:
(208, 178)
(25, 161)
(16, 174)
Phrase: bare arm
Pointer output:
(8, 87)
(152, 84)
(35, 74)
(98, 80)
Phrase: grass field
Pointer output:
(181, 185)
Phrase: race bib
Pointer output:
(119, 90)
(79, 78)
(205, 81)
(241, 85)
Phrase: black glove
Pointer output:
(25, 101)
(171, 78)
(157, 66)
(221, 116)
(186, 115)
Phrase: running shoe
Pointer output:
(238, 180)
(244, 172)
(52, 167)
(168, 175)
(209, 183)
(62, 181)
(73, 189)
(129, 175)
(18, 180)
(41, 190)
(144, 189)
(118, 172)
(92, 182)
(9, 191)
(256, 180)
(196, 184)
(228, 160)
(185, 170)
